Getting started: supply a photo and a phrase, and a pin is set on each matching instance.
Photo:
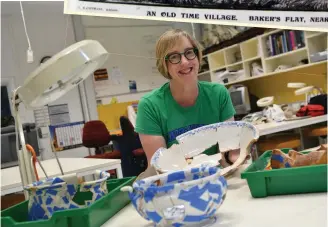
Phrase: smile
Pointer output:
(185, 71)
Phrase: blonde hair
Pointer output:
(167, 41)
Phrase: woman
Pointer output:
(183, 103)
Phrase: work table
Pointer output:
(266, 128)
(273, 127)
(241, 210)
(11, 181)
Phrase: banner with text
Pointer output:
(298, 14)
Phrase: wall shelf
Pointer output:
(234, 64)
(252, 59)
(203, 73)
(282, 72)
(289, 53)
(277, 52)
(315, 34)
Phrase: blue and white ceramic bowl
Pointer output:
(189, 197)
(55, 194)
(229, 135)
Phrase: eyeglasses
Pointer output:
(175, 58)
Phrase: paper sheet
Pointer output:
(117, 76)
(59, 114)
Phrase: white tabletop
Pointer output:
(268, 128)
(10, 177)
(241, 210)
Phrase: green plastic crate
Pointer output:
(263, 183)
(93, 216)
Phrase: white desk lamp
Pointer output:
(302, 89)
(51, 80)
(307, 92)
(265, 102)
(296, 85)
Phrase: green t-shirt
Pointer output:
(159, 113)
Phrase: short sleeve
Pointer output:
(226, 106)
(147, 122)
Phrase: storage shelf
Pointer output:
(279, 72)
(219, 68)
(232, 46)
(265, 35)
(285, 54)
(315, 35)
(252, 59)
(240, 56)
(203, 73)
(234, 64)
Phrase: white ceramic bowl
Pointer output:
(53, 194)
(190, 197)
(229, 135)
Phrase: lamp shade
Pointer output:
(304, 90)
(296, 85)
(61, 73)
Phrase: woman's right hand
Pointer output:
(151, 144)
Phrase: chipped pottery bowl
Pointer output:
(174, 158)
(57, 193)
(230, 135)
(190, 197)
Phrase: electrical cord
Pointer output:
(34, 160)
(23, 17)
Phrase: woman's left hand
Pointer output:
(233, 156)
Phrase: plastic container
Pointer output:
(93, 216)
(263, 183)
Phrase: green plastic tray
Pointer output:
(93, 216)
(263, 183)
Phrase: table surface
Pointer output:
(273, 127)
(10, 177)
(241, 210)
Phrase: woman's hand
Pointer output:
(233, 155)
(151, 144)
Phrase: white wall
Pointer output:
(105, 30)
(46, 27)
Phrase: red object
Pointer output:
(311, 110)
(138, 152)
(95, 135)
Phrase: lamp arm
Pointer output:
(23, 155)
(26, 154)
(21, 162)
(308, 94)
(306, 98)
(318, 89)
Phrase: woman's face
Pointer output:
(183, 67)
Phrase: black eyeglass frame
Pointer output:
(182, 53)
